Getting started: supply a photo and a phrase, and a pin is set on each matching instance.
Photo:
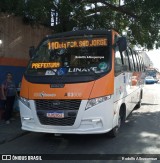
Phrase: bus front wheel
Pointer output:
(114, 132)
(121, 119)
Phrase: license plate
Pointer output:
(55, 115)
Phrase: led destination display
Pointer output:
(78, 43)
(45, 65)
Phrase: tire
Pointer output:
(139, 102)
(114, 132)
(138, 105)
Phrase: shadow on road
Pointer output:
(140, 134)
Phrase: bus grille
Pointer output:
(68, 107)
(57, 104)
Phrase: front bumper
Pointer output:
(98, 119)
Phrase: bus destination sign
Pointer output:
(46, 65)
(77, 43)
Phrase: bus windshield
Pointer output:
(71, 57)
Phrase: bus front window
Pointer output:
(71, 57)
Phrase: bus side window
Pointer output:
(140, 62)
(143, 66)
(126, 60)
(136, 61)
(118, 62)
(130, 60)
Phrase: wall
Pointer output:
(16, 38)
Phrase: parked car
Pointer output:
(150, 80)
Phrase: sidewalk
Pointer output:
(9, 132)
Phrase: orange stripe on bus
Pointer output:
(83, 91)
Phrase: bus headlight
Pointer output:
(95, 101)
(24, 101)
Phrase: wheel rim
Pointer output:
(118, 125)
(119, 122)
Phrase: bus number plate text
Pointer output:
(55, 115)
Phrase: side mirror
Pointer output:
(31, 51)
(122, 44)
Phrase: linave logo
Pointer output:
(82, 69)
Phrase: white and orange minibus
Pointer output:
(81, 82)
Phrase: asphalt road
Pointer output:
(139, 135)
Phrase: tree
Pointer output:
(140, 18)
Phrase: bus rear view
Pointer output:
(68, 86)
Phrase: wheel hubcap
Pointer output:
(119, 122)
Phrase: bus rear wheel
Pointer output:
(139, 102)
(138, 105)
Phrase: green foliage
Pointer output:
(141, 18)
(12, 6)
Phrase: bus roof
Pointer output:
(79, 33)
